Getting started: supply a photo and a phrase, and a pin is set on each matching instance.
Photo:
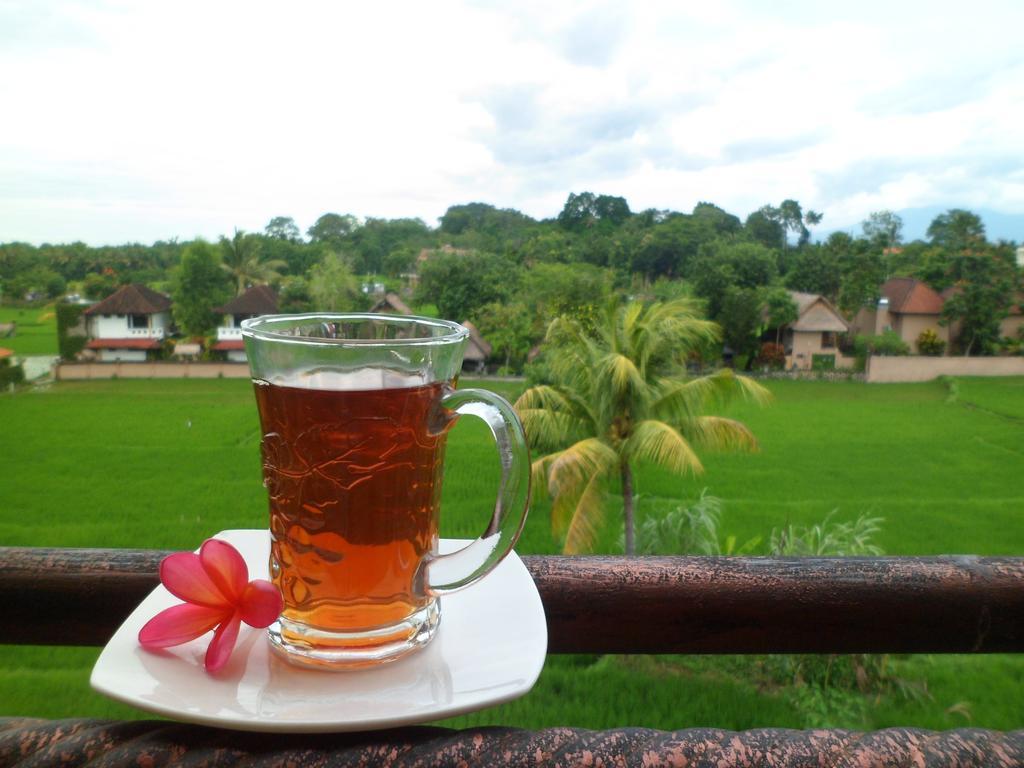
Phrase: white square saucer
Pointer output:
(489, 648)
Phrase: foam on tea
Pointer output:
(352, 463)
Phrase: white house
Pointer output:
(128, 324)
(258, 300)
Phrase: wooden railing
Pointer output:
(959, 604)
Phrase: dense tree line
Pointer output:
(511, 274)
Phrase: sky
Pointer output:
(138, 121)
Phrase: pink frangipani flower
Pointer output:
(217, 592)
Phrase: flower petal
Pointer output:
(180, 624)
(184, 577)
(225, 567)
(261, 603)
(223, 642)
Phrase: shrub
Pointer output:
(822, 363)
(10, 374)
(827, 538)
(68, 316)
(683, 530)
(888, 343)
(772, 356)
(929, 343)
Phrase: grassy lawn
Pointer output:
(167, 463)
(37, 330)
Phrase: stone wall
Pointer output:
(917, 368)
(151, 370)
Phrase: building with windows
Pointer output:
(130, 325)
(812, 341)
(256, 301)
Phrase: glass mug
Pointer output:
(354, 410)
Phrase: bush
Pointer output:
(10, 374)
(772, 356)
(888, 343)
(929, 343)
(822, 363)
(68, 316)
(683, 530)
(827, 538)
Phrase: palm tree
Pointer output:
(241, 259)
(621, 396)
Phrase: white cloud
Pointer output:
(150, 120)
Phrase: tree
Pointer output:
(779, 309)
(621, 397)
(283, 228)
(240, 258)
(862, 268)
(507, 326)
(333, 287)
(771, 226)
(956, 230)
(722, 264)
(587, 209)
(884, 229)
(332, 229)
(294, 295)
(372, 242)
(497, 225)
(670, 247)
(550, 290)
(764, 226)
(815, 270)
(721, 221)
(460, 283)
(741, 319)
(982, 296)
(199, 285)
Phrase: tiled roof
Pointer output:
(258, 300)
(134, 299)
(910, 296)
(229, 345)
(816, 313)
(123, 344)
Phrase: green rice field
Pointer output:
(164, 464)
(36, 333)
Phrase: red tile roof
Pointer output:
(910, 296)
(258, 300)
(229, 344)
(123, 344)
(134, 299)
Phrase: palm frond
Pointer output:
(553, 418)
(586, 519)
(661, 444)
(680, 401)
(718, 433)
(550, 430)
(620, 376)
(539, 475)
(578, 463)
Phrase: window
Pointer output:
(239, 318)
(138, 321)
(828, 340)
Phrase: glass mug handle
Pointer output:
(451, 572)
